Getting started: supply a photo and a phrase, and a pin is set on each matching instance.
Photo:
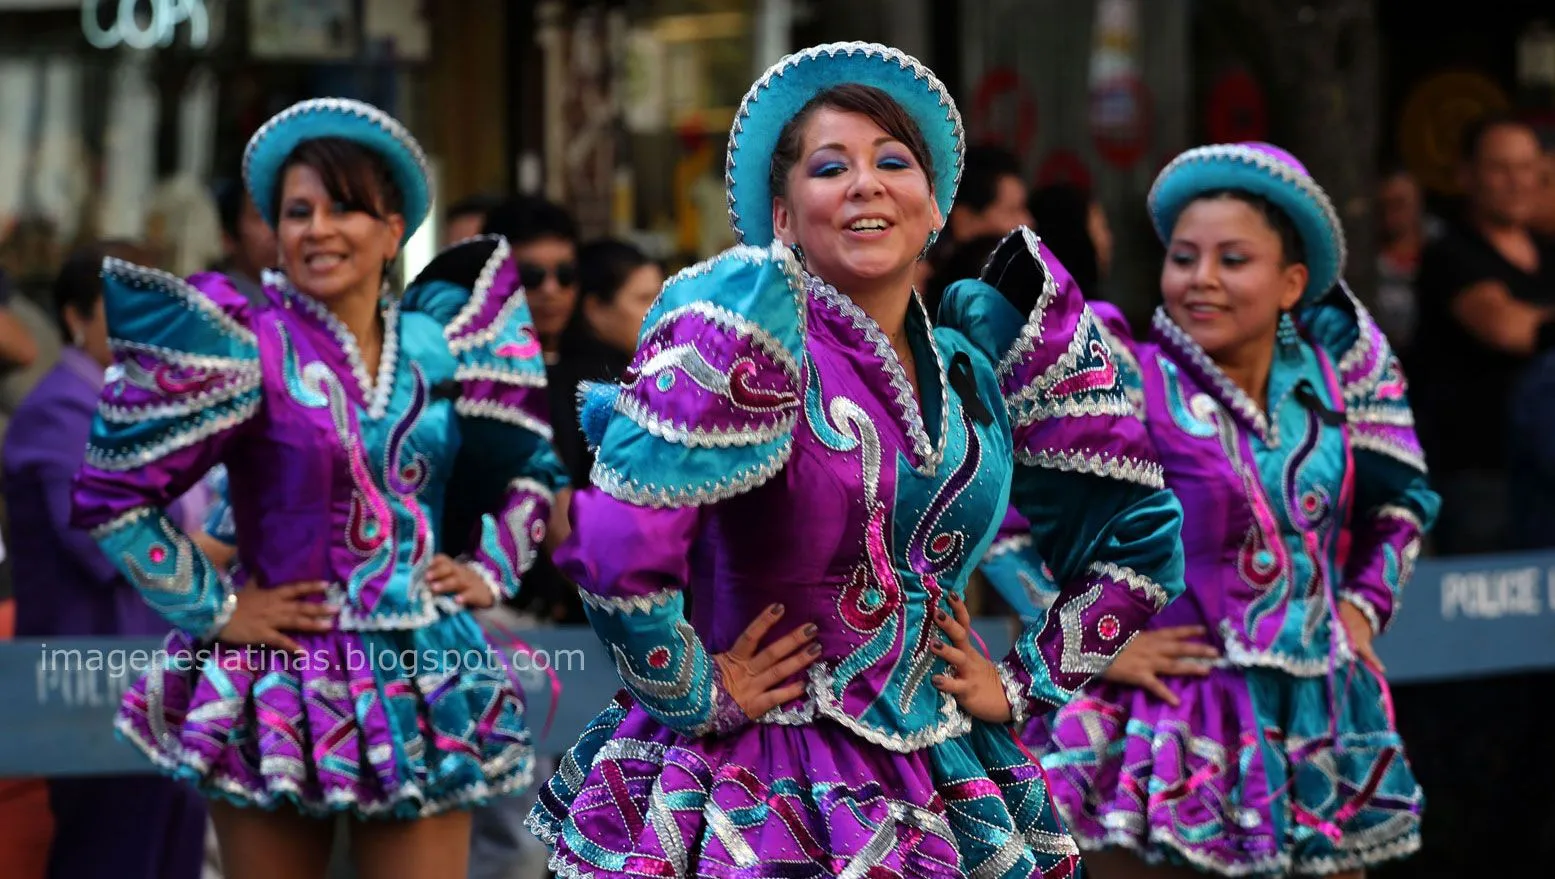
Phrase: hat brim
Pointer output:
(355, 121)
(1231, 166)
(787, 86)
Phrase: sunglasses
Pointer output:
(534, 276)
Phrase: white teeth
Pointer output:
(867, 225)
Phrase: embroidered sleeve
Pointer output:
(1394, 503)
(1394, 508)
(706, 410)
(1375, 390)
(184, 385)
(1087, 478)
(1013, 568)
(1115, 553)
(507, 464)
(1069, 400)
(631, 564)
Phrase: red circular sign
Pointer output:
(1120, 120)
(1237, 110)
(997, 83)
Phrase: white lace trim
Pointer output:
(928, 455)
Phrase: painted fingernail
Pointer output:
(815, 649)
(810, 629)
(939, 615)
(777, 610)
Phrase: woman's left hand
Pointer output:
(448, 577)
(1358, 627)
(975, 681)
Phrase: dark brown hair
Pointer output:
(353, 175)
(1292, 249)
(866, 100)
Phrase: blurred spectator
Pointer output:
(617, 283)
(1543, 220)
(1405, 229)
(144, 826)
(248, 240)
(544, 237)
(1486, 290)
(1531, 456)
(17, 346)
(965, 260)
(466, 217)
(1074, 226)
(991, 200)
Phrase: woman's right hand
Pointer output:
(262, 615)
(754, 678)
(1157, 652)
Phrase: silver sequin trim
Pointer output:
(649, 494)
(1146, 473)
(1016, 693)
(1136, 581)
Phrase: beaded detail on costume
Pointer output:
(1184, 349)
(927, 454)
(711, 397)
(1376, 393)
(193, 377)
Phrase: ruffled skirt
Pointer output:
(390, 724)
(1254, 773)
(633, 798)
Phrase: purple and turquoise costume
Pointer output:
(337, 476)
(1285, 758)
(765, 446)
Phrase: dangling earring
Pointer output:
(1287, 334)
(798, 253)
(927, 245)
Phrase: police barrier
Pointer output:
(1462, 617)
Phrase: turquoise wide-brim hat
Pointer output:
(344, 118)
(1266, 170)
(790, 83)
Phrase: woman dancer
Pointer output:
(796, 446)
(1247, 731)
(345, 673)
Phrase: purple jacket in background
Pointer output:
(64, 584)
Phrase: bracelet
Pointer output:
(497, 595)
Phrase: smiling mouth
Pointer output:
(323, 262)
(870, 224)
(1204, 309)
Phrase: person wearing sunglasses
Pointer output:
(544, 237)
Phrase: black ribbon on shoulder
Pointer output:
(1307, 396)
(965, 385)
(447, 389)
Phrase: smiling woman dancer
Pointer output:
(345, 672)
(1247, 731)
(796, 446)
